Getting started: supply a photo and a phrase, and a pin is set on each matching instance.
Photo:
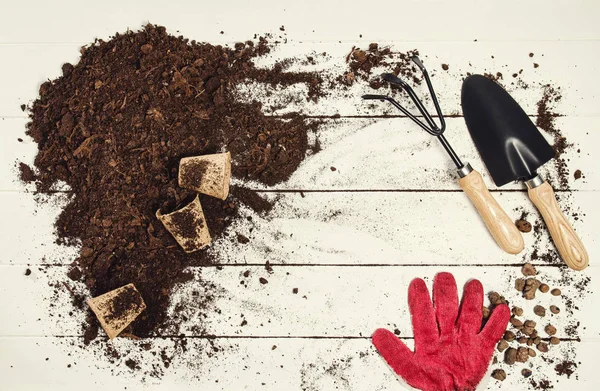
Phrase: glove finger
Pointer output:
(398, 356)
(496, 325)
(470, 316)
(423, 318)
(445, 301)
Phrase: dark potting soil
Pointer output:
(132, 364)
(541, 385)
(193, 172)
(252, 199)
(242, 239)
(127, 301)
(546, 120)
(361, 64)
(114, 128)
(494, 76)
(185, 223)
(26, 173)
(565, 368)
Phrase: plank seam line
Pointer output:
(338, 191)
(401, 190)
(212, 337)
(339, 116)
(292, 41)
(223, 265)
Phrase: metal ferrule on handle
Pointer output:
(534, 182)
(465, 170)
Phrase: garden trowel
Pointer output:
(513, 149)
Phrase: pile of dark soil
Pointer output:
(114, 127)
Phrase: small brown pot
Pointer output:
(188, 226)
(207, 174)
(116, 309)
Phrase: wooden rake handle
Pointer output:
(566, 240)
(502, 228)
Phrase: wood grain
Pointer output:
(500, 226)
(332, 301)
(394, 214)
(242, 364)
(514, 22)
(567, 242)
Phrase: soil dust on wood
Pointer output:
(546, 120)
(114, 126)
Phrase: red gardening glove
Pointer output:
(451, 354)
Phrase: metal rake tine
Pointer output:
(438, 109)
(402, 109)
(374, 97)
(413, 96)
(393, 79)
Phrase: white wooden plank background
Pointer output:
(314, 364)
(376, 296)
(388, 228)
(350, 240)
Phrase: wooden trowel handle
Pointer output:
(502, 228)
(566, 240)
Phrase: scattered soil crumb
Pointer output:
(524, 225)
(26, 173)
(546, 120)
(565, 368)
